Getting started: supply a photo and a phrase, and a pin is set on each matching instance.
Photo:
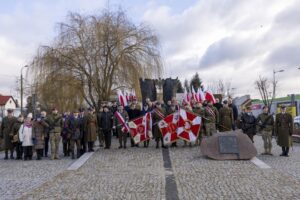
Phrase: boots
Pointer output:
(6, 155)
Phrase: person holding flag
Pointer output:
(199, 110)
(158, 114)
(211, 118)
(120, 125)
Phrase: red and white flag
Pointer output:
(168, 127)
(132, 95)
(122, 98)
(201, 96)
(186, 97)
(122, 121)
(210, 97)
(139, 129)
(194, 94)
(189, 126)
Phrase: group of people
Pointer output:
(80, 129)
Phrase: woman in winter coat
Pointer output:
(25, 136)
(40, 128)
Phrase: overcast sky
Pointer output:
(232, 40)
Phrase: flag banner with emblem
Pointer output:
(168, 127)
(122, 121)
(139, 129)
(189, 125)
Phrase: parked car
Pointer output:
(297, 122)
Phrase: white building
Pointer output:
(6, 102)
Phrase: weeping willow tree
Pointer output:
(93, 56)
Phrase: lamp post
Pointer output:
(274, 81)
(22, 88)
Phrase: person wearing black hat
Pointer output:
(6, 133)
(284, 130)
(133, 113)
(248, 123)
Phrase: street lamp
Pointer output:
(22, 88)
(274, 81)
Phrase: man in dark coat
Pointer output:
(284, 130)
(248, 122)
(234, 111)
(106, 124)
(16, 141)
(75, 129)
(6, 133)
(218, 105)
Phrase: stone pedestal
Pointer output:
(232, 145)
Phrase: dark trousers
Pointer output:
(19, 150)
(122, 137)
(107, 138)
(146, 143)
(11, 150)
(67, 147)
(46, 146)
(90, 146)
(78, 147)
(285, 151)
(27, 152)
(83, 145)
(39, 154)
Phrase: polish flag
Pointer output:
(122, 98)
(210, 97)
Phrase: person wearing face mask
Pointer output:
(284, 130)
(55, 126)
(16, 142)
(74, 126)
(6, 133)
(248, 123)
(26, 137)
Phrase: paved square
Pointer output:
(140, 173)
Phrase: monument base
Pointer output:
(231, 145)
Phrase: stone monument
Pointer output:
(231, 145)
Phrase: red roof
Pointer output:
(4, 99)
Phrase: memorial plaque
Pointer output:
(228, 145)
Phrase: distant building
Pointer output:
(6, 102)
(292, 102)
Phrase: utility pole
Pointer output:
(22, 88)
